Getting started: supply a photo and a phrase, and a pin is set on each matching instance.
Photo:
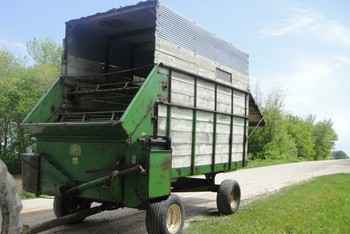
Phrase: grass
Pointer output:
(319, 206)
(270, 162)
(25, 195)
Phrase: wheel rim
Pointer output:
(174, 218)
(233, 202)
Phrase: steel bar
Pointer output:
(256, 127)
(194, 120)
(168, 119)
(84, 84)
(81, 92)
(112, 73)
(103, 179)
(231, 132)
(72, 124)
(72, 218)
(111, 103)
(245, 131)
(91, 79)
(204, 78)
(194, 185)
(90, 112)
(202, 109)
(214, 129)
(155, 120)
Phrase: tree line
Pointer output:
(285, 136)
(21, 86)
(290, 137)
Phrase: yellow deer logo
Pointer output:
(75, 152)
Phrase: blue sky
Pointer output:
(299, 47)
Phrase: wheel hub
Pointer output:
(174, 218)
(233, 202)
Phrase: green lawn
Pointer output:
(319, 206)
(25, 195)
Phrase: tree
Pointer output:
(301, 130)
(273, 141)
(340, 155)
(287, 136)
(20, 88)
(9, 65)
(10, 68)
(325, 138)
(45, 51)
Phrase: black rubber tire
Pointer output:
(63, 206)
(228, 197)
(156, 216)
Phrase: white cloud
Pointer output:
(318, 86)
(308, 21)
(19, 49)
(342, 60)
(298, 20)
(315, 80)
(12, 44)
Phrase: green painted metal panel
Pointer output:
(134, 186)
(205, 169)
(79, 157)
(51, 179)
(47, 105)
(138, 117)
(83, 162)
(159, 173)
(86, 131)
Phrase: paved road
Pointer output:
(254, 183)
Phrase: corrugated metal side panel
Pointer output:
(180, 133)
(204, 138)
(181, 126)
(184, 33)
(222, 139)
(237, 139)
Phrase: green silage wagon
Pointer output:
(146, 100)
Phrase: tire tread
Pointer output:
(156, 215)
(223, 197)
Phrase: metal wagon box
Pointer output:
(146, 99)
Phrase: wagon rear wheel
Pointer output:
(165, 217)
(228, 197)
(63, 206)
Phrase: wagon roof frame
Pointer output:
(221, 50)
